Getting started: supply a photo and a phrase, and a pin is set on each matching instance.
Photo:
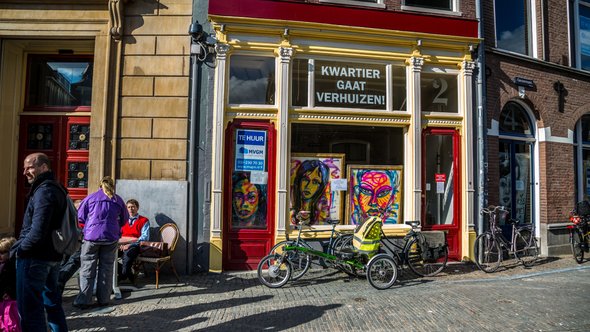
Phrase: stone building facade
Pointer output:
(102, 87)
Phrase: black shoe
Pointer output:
(81, 306)
(103, 304)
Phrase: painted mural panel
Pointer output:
(311, 190)
(374, 190)
(249, 206)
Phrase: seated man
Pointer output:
(137, 227)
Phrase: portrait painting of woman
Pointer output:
(248, 202)
(310, 186)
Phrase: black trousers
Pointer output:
(128, 257)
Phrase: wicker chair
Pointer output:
(168, 234)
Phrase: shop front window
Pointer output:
(346, 85)
(252, 80)
(347, 173)
(439, 93)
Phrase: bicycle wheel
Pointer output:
(420, 266)
(526, 249)
(576, 242)
(274, 271)
(487, 252)
(300, 261)
(382, 271)
(342, 241)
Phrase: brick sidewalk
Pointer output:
(327, 299)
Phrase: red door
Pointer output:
(441, 186)
(249, 187)
(64, 140)
(57, 87)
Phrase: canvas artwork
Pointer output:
(311, 190)
(374, 190)
(248, 202)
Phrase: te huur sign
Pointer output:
(350, 85)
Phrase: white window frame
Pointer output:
(376, 4)
(577, 49)
(532, 35)
(453, 11)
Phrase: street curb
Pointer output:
(518, 276)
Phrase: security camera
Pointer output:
(196, 31)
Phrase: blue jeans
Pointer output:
(37, 294)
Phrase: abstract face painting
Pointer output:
(248, 202)
(375, 191)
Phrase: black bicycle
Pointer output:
(580, 230)
(426, 253)
(490, 245)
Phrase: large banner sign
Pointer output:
(351, 85)
(250, 150)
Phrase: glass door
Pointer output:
(516, 181)
(441, 188)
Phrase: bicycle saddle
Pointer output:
(332, 221)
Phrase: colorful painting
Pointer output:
(311, 175)
(248, 202)
(374, 190)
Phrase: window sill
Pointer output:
(431, 11)
(355, 3)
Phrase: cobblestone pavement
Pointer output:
(554, 295)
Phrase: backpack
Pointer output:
(67, 238)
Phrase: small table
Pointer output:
(116, 289)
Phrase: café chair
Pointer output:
(168, 234)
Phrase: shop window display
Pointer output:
(347, 85)
(320, 154)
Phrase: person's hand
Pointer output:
(124, 247)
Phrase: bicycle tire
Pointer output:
(382, 271)
(418, 265)
(526, 249)
(300, 261)
(342, 241)
(487, 252)
(576, 243)
(274, 271)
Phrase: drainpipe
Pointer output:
(193, 156)
(482, 159)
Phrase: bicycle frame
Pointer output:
(353, 262)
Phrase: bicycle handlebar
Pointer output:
(493, 209)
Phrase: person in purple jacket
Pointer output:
(102, 213)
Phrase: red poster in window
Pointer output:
(440, 177)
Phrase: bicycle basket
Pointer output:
(367, 236)
(435, 245)
(583, 208)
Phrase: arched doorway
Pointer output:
(516, 163)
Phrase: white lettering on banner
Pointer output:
(351, 72)
(351, 85)
(334, 97)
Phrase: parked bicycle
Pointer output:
(381, 269)
(580, 230)
(490, 245)
(425, 253)
(300, 260)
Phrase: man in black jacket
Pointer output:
(37, 262)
